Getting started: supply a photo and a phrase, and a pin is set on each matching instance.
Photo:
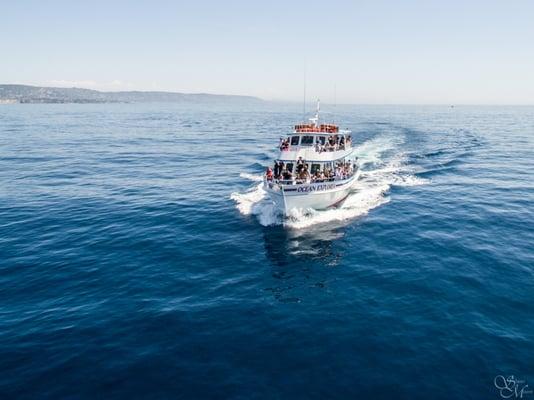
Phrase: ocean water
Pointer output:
(140, 258)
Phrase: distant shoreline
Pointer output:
(24, 94)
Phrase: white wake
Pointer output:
(383, 166)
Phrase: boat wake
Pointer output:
(251, 177)
(382, 165)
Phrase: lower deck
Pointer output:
(316, 195)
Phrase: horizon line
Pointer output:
(447, 104)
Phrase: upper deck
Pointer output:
(316, 142)
(311, 155)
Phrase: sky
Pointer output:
(369, 52)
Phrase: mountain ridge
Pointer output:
(15, 93)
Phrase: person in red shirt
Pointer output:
(269, 174)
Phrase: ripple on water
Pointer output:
(139, 235)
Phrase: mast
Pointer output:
(335, 104)
(304, 97)
(315, 119)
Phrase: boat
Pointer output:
(315, 168)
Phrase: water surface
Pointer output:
(141, 259)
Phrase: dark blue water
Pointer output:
(140, 259)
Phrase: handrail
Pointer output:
(312, 128)
(296, 181)
(336, 147)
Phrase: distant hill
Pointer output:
(38, 94)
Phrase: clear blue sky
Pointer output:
(477, 52)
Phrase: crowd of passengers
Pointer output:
(332, 143)
(281, 173)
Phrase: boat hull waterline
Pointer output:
(317, 196)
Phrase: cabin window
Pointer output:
(289, 167)
(306, 141)
(321, 140)
(294, 140)
(315, 168)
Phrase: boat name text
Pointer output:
(318, 188)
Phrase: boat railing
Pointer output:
(323, 128)
(318, 148)
(296, 181)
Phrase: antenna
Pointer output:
(304, 96)
(315, 119)
(317, 113)
(335, 104)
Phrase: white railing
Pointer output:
(296, 181)
(317, 148)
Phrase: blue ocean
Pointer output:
(140, 257)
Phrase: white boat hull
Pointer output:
(317, 196)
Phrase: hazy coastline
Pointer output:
(10, 94)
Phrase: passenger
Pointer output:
(331, 141)
(348, 169)
(280, 169)
(300, 165)
(276, 170)
(303, 175)
(269, 174)
(306, 173)
(287, 175)
(331, 144)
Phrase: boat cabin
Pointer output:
(318, 140)
(301, 171)
(314, 166)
